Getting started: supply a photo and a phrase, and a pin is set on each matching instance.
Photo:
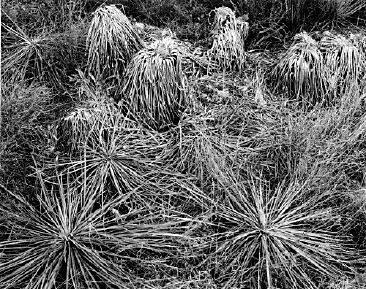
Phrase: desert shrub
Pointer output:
(155, 85)
(111, 43)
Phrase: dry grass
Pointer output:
(300, 71)
(344, 61)
(155, 86)
(111, 43)
(228, 40)
(192, 181)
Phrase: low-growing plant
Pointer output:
(115, 152)
(283, 237)
(69, 239)
(341, 10)
(49, 58)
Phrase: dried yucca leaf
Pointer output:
(228, 44)
(111, 42)
(300, 71)
(154, 86)
(344, 61)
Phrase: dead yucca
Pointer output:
(75, 129)
(343, 61)
(300, 71)
(228, 50)
(359, 40)
(111, 42)
(223, 17)
(228, 44)
(154, 86)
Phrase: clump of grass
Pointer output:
(228, 43)
(282, 237)
(116, 153)
(300, 71)
(155, 86)
(111, 43)
(70, 239)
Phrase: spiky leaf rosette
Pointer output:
(70, 240)
(228, 44)
(45, 57)
(154, 86)
(276, 238)
(344, 60)
(300, 71)
(111, 43)
(342, 9)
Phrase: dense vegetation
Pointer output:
(183, 144)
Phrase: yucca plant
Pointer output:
(284, 237)
(155, 86)
(342, 9)
(228, 43)
(344, 60)
(116, 152)
(70, 239)
(300, 71)
(111, 43)
(45, 57)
